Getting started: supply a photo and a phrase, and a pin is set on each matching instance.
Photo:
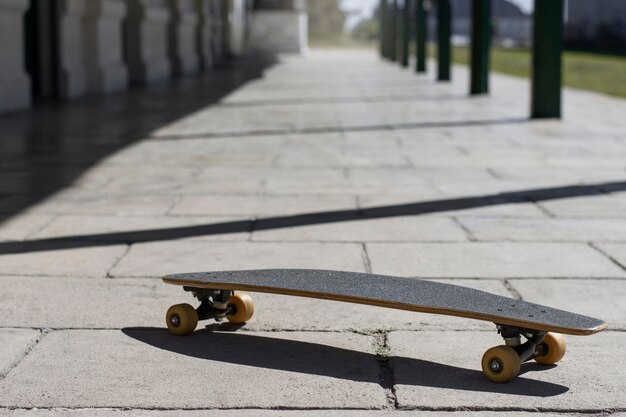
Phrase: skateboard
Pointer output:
(530, 331)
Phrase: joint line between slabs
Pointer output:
(537, 411)
(617, 263)
(387, 378)
(366, 258)
(117, 261)
(468, 233)
(511, 289)
(26, 352)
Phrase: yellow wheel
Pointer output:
(553, 349)
(501, 364)
(242, 308)
(181, 319)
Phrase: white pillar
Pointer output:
(183, 37)
(73, 74)
(14, 81)
(146, 41)
(236, 15)
(103, 46)
(205, 48)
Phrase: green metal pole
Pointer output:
(546, 64)
(382, 35)
(420, 36)
(481, 38)
(393, 30)
(444, 29)
(406, 32)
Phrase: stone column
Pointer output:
(217, 30)
(73, 74)
(103, 46)
(205, 49)
(281, 30)
(147, 41)
(183, 37)
(235, 26)
(14, 81)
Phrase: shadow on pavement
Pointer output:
(342, 100)
(345, 129)
(46, 148)
(317, 359)
(306, 219)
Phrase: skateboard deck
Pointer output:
(514, 318)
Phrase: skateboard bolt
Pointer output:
(175, 320)
(496, 366)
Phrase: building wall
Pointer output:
(280, 26)
(602, 23)
(280, 31)
(510, 25)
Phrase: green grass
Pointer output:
(602, 73)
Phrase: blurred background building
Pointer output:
(511, 26)
(63, 49)
(596, 24)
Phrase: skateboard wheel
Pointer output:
(554, 349)
(242, 308)
(501, 364)
(181, 319)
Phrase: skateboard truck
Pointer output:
(502, 363)
(237, 308)
(213, 303)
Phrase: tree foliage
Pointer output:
(326, 19)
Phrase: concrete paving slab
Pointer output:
(22, 226)
(490, 210)
(490, 260)
(158, 259)
(610, 206)
(147, 368)
(173, 186)
(616, 251)
(432, 371)
(61, 303)
(563, 230)
(128, 229)
(570, 176)
(79, 261)
(121, 205)
(293, 142)
(342, 187)
(330, 159)
(250, 186)
(14, 345)
(263, 413)
(181, 151)
(605, 299)
(395, 229)
(261, 206)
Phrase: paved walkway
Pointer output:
(102, 197)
